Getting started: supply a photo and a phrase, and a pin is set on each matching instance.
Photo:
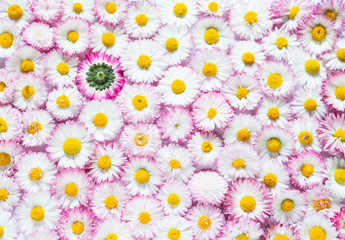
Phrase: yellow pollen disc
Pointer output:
(206, 146)
(274, 80)
(28, 92)
(142, 176)
(35, 174)
(144, 217)
(238, 163)
(213, 6)
(174, 164)
(270, 179)
(108, 39)
(139, 102)
(340, 93)
(339, 175)
(111, 236)
(331, 14)
(3, 125)
(2, 86)
(210, 69)
(141, 19)
(174, 234)
(14, 11)
(307, 170)
(317, 233)
(110, 202)
(173, 199)
(62, 101)
(273, 145)
(242, 92)
(34, 127)
(71, 189)
(72, 36)
(293, 12)
(211, 36)
(1, 231)
(171, 44)
(178, 86)
(281, 42)
(104, 162)
(310, 104)
(204, 222)
(305, 138)
(248, 58)
(100, 120)
(144, 61)
(312, 66)
(251, 17)
(248, 203)
(321, 204)
(5, 159)
(6, 40)
(318, 33)
(3, 194)
(340, 133)
(27, 66)
(281, 237)
(37, 213)
(77, 228)
(72, 146)
(341, 54)
(77, 7)
(110, 7)
(287, 205)
(180, 10)
(62, 68)
(141, 139)
(211, 113)
(273, 113)
(243, 236)
(243, 134)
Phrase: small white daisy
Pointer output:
(17, 11)
(8, 225)
(335, 60)
(10, 151)
(174, 227)
(334, 91)
(333, 10)
(113, 229)
(280, 230)
(244, 228)
(335, 176)
(9, 194)
(11, 124)
(79, 8)
(316, 226)
(213, 7)
(8, 38)
(111, 11)
(25, 60)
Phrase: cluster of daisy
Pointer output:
(176, 120)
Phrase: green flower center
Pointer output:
(100, 76)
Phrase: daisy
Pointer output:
(72, 35)
(143, 215)
(238, 161)
(141, 176)
(246, 56)
(60, 68)
(335, 176)
(175, 162)
(99, 76)
(7, 84)
(18, 11)
(8, 226)
(213, 8)
(70, 145)
(40, 36)
(139, 103)
(179, 85)
(274, 143)
(142, 20)
(176, 42)
(315, 227)
(140, 139)
(242, 91)
(333, 10)
(10, 150)
(106, 162)
(110, 11)
(176, 124)
(206, 221)
(8, 38)
(113, 229)
(335, 60)
(274, 111)
(175, 198)
(108, 200)
(143, 61)
(10, 123)
(174, 227)
(79, 8)
(72, 188)
(105, 38)
(37, 211)
(48, 11)
(9, 193)
(204, 148)
(281, 230)
(243, 129)
(248, 198)
(338, 221)
(334, 91)
(64, 103)
(242, 229)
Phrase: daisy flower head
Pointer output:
(338, 221)
(274, 143)
(17, 11)
(142, 176)
(79, 8)
(102, 119)
(37, 211)
(333, 10)
(47, 11)
(8, 225)
(213, 67)
(8, 38)
(140, 139)
(179, 85)
(25, 60)
(10, 123)
(335, 60)
(174, 227)
(316, 226)
(9, 193)
(99, 76)
(175, 198)
(245, 228)
(139, 103)
(70, 145)
(106, 162)
(40, 36)
(113, 229)
(334, 91)
(143, 215)
(206, 221)
(280, 230)
(64, 103)
(335, 176)
(176, 42)
(213, 7)
(242, 91)
(60, 68)
(143, 61)
(204, 148)
(73, 35)
(175, 162)
(7, 86)
(10, 151)
(110, 11)
(142, 20)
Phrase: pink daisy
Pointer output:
(48, 11)
(334, 91)
(40, 36)
(338, 221)
(11, 123)
(6, 86)
(333, 10)
(10, 152)
(245, 228)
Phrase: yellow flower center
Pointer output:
(211, 113)
(71, 189)
(141, 139)
(3, 125)
(142, 176)
(317, 233)
(312, 66)
(281, 237)
(287, 205)
(305, 138)
(206, 146)
(173, 199)
(100, 120)
(340, 133)
(178, 86)
(248, 58)
(270, 179)
(1, 231)
(243, 134)
(62, 101)
(104, 162)
(144, 217)
(274, 80)
(274, 145)
(211, 36)
(77, 7)
(27, 66)
(5, 159)
(108, 39)
(318, 33)
(307, 170)
(238, 163)
(321, 204)
(340, 93)
(34, 127)
(341, 54)
(174, 164)
(110, 202)
(213, 6)
(331, 14)
(37, 213)
(14, 12)
(174, 234)
(72, 146)
(180, 10)
(281, 42)
(72, 36)
(3, 194)
(339, 175)
(242, 92)
(204, 222)
(243, 236)
(141, 19)
(248, 203)
(35, 174)
(77, 228)
(293, 12)
(28, 92)
(144, 61)
(6, 40)
(2, 86)
(62, 68)
(110, 7)
(251, 17)
(310, 104)
(210, 69)
(273, 113)
(139, 102)
(171, 44)
(111, 236)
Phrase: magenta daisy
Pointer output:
(338, 221)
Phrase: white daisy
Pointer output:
(9, 152)
(7, 85)
(9, 194)
(111, 11)
(113, 229)
(8, 226)
(335, 176)
(213, 7)
(174, 227)
(333, 10)
(10, 123)
(245, 228)
(280, 230)
(334, 91)
(79, 8)
(18, 11)
(8, 38)
(315, 227)
(335, 60)
(40, 36)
